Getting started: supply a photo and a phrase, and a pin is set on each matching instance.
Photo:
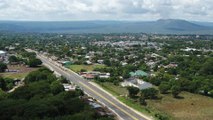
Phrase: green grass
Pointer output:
(120, 93)
(77, 68)
(14, 75)
(22, 72)
(113, 89)
(190, 107)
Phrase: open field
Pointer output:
(191, 107)
(116, 90)
(121, 94)
(77, 68)
(21, 72)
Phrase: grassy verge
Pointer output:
(77, 68)
(14, 75)
(188, 107)
(120, 93)
(22, 72)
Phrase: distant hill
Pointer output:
(162, 26)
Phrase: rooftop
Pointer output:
(2, 52)
(138, 73)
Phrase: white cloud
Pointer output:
(105, 9)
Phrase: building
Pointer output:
(135, 82)
(93, 74)
(100, 61)
(2, 53)
(69, 87)
(66, 63)
(88, 76)
(138, 73)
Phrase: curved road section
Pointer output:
(123, 111)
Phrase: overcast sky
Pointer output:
(137, 10)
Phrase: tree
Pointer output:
(211, 93)
(3, 85)
(107, 62)
(79, 91)
(133, 91)
(63, 80)
(149, 93)
(56, 87)
(34, 62)
(3, 67)
(3, 95)
(164, 87)
(207, 68)
(83, 70)
(13, 59)
(142, 101)
(175, 90)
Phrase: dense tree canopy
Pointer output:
(133, 91)
(42, 98)
(34, 62)
(3, 67)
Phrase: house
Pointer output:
(95, 105)
(135, 82)
(138, 73)
(88, 76)
(87, 57)
(66, 63)
(69, 87)
(88, 62)
(100, 61)
(104, 75)
(124, 63)
(93, 74)
(171, 65)
(2, 53)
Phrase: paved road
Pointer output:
(123, 111)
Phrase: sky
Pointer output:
(130, 10)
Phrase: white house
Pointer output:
(136, 83)
(2, 53)
(100, 61)
(69, 87)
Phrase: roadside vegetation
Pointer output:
(43, 97)
(179, 67)
(79, 68)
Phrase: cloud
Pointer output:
(105, 9)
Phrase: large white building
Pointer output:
(2, 53)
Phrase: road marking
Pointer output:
(98, 94)
(108, 101)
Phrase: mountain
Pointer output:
(162, 26)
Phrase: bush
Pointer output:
(175, 90)
(150, 93)
(3, 67)
(164, 87)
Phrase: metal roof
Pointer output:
(2, 52)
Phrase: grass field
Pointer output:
(77, 68)
(190, 107)
(121, 94)
(116, 90)
(23, 71)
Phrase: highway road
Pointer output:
(121, 110)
